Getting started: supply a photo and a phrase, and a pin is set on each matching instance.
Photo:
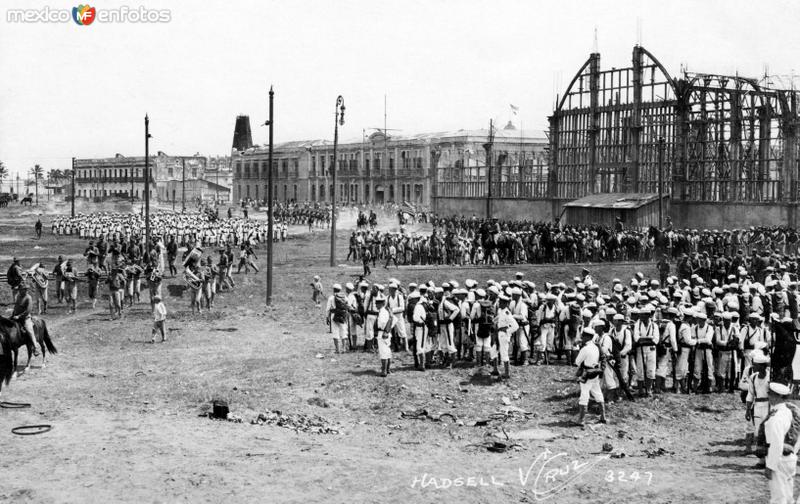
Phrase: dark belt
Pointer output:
(761, 399)
(372, 313)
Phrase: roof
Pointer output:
(618, 201)
(501, 136)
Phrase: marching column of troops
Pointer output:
(483, 241)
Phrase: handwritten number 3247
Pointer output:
(633, 477)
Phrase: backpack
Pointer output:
(486, 317)
(410, 305)
(791, 435)
(340, 309)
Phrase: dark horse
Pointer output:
(6, 361)
(660, 242)
(11, 331)
(26, 199)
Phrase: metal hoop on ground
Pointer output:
(31, 430)
(14, 405)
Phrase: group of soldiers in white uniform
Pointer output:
(187, 228)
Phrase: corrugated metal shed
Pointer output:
(614, 200)
(637, 210)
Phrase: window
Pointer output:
(366, 167)
(313, 167)
(321, 192)
(313, 193)
(284, 192)
(238, 169)
(322, 172)
(248, 187)
(256, 191)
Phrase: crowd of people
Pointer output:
(490, 241)
(186, 228)
(650, 334)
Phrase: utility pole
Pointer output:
(488, 148)
(73, 188)
(183, 185)
(269, 202)
(338, 119)
(660, 182)
(147, 183)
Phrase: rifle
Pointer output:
(623, 384)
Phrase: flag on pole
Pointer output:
(514, 109)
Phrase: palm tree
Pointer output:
(37, 172)
(3, 173)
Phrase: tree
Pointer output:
(3, 173)
(37, 172)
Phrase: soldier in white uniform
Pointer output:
(397, 305)
(703, 354)
(448, 312)
(519, 309)
(645, 338)
(548, 319)
(385, 322)
(420, 329)
(757, 399)
(781, 430)
(588, 362)
(726, 340)
(506, 327)
(667, 347)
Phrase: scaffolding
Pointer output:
(706, 137)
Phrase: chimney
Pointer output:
(242, 138)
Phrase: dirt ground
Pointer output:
(127, 424)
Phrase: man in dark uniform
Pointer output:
(14, 277)
(22, 315)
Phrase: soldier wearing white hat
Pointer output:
(419, 316)
(703, 354)
(667, 349)
(757, 396)
(397, 305)
(588, 362)
(645, 338)
(782, 435)
(726, 340)
(519, 310)
(337, 313)
(548, 322)
(384, 326)
(506, 327)
(749, 335)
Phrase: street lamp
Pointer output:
(338, 119)
(269, 201)
(147, 137)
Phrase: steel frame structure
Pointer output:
(726, 138)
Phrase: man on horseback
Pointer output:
(22, 315)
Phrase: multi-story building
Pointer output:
(378, 168)
(124, 177)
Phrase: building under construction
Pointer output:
(699, 139)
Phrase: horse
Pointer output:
(26, 199)
(660, 241)
(13, 332)
(6, 361)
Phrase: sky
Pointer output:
(71, 90)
